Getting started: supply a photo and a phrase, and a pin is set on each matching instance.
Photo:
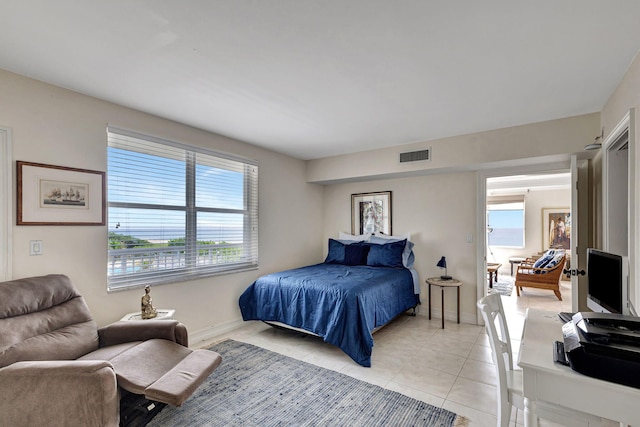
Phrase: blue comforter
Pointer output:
(340, 303)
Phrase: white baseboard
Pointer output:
(451, 316)
(211, 332)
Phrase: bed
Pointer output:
(361, 286)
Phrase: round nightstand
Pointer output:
(444, 283)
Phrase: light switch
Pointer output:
(35, 247)
(469, 237)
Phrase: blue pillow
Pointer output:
(544, 259)
(336, 252)
(356, 254)
(387, 255)
(408, 258)
(554, 261)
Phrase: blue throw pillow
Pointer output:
(387, 255)
(554, 261)
(336, 252)
(544, 259)
(408, 258)
(356, 254)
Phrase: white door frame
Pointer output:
(607, 149)
(481, 207)
(627, 124)
(6, 207)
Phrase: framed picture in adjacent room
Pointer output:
(371, 213)
(556, 228)
(58, 195)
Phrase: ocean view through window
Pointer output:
(505, 221)
(177, 212)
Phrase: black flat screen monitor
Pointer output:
(607, 282)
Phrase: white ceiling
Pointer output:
(315, 78)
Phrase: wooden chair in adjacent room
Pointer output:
(543, 277)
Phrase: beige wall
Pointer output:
(56, 126)
(439, 211)
(437, 202)
(625, 96)
(544, 141)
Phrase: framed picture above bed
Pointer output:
(371, 213)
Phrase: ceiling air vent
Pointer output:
(415, 156)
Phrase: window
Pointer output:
(177, 212)
(505, 221)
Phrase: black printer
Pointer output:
(604, 346)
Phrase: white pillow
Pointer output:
(386, 236)
(355, 238)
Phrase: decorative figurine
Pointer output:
(147, 308)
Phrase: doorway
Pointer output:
(530, 190)
(620, 223)
(616, 195)
(524, 213)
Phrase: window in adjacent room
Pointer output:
(177, 212)
(505, 221)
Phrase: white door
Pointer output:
(580, 208)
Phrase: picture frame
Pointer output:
(371, 213)
(59, 195)
(556, 228)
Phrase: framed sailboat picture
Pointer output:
(58, 195)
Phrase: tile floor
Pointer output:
(450, 368)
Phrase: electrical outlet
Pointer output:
(35, 247)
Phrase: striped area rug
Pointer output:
(504, 285)
(257, 387)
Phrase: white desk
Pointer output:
(547, 381)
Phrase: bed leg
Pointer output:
(413, 312)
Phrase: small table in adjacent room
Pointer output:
(517, 260)
(492, 269)
(444, 283)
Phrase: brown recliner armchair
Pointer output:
(58, 369)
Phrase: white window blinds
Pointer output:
(177, 212)
(515, 201)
